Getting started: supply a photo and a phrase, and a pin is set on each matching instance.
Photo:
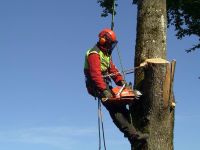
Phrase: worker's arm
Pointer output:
(118, 77)
(95, 71)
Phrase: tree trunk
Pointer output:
(154, 112)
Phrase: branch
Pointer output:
(193, 48)
(107, 7)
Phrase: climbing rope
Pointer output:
(100, 125)
(100, 117)
(125, 72)
(121, 65)
(119, 55)
(112, 28)
(113, 14)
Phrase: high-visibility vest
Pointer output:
(104, 59)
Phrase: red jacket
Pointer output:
(95, 73)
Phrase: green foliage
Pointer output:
(184, 15)
(107, 6)
(135, 1)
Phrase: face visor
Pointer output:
(111, 46)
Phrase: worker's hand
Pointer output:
(121, 83)
(107, 94)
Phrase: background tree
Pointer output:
(184, 15)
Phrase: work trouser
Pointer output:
(121, 118)
(118, 112)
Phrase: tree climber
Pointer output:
(98, 63)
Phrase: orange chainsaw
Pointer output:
(122, 94)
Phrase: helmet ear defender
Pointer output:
(102, 40)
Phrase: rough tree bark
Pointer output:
(154, 112)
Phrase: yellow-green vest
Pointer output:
(104, 59)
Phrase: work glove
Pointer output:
(121, 83)
(107, 94)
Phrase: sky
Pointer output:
(44, 104)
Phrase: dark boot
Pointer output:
(141, 136)
(138, 139)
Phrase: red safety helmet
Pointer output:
(107, 39)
